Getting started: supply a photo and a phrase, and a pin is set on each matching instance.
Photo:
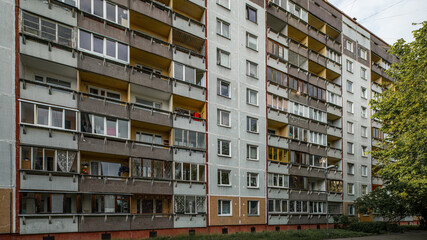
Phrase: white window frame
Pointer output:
(350, 86)
(248, 36)
(104, 12)
(219, 52)
(224, 3)
(364, 112)
(364, 189)
(349, 66)
(363, 54)
(350, 168)
(223, 171)
(350, 127)
(220, 202)
(220, 143)
(248, 151)
(364, 170)
(364, 131)
(248, 92)
(249, 66)
(249, 176)
(105, 91)
(352, 188)
(276, 184)
(364, 92)
(219, 83)
(198, 171)
(221, 30)
(350, 147)
(252, 214)
(364, 149)
(350, 107)
(349, 45)
(248, 127)
(105, 125)
(220, 112)
(363, 73)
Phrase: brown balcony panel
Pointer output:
(150, 80)
(298, 48)
(307, 195)
(103, 67)
(102, 224)
(334, 45)
(334, 153)
(146, 151)
(317, 127)
(149, 116)
(142, 222)
(143, 42)
(315, 80)
(297, 23)
(298, 146)
(313, 172)
(335, 175)
(122, 2)
(298, 98)
(104, 107)
(101, 145)
(98, 26)
(297, 72)
(298, 122)
(277, 12)
(317, 58)
(317, 35)
(118, 185)
(317, 150)
(315, 9)
(150, 9)
(312, 102)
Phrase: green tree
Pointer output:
(392, 208)
(402, 110)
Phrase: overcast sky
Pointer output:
(388, 19)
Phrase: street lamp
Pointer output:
(326, 190)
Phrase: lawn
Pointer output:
(271, 235)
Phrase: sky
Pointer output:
(388, 19)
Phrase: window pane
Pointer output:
(99, 124)
(178, 137)
(201, 173)
(193, 172)
(226, 207)
(38, 159)
(111, 48)
(56, 116)
(27, 112)
(111, 127)
(123, 52)
(179, 71)
(111, 12)
(48, 30)
(31, 24)
(201, 140)
(85, 5)
(122, 16)
(64, 35)
(192, 140)
(98, 8)
(98, 44)
(49, 159)
(189, 74)
(70, 120)
(84, 40)
(42, 115)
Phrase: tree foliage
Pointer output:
(402, 111)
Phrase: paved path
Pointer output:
(411, 235)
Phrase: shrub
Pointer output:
(374, 227)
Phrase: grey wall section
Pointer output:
(7, 97)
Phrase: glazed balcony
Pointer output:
(49, 137)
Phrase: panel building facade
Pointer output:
(138, 118)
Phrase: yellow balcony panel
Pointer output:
(147, 59)
(315, 22)
(375, 77)
(187, 40)
(193, 105)
(297, 35)
(151, 26)
(332, 32)
(316, 46)
(316, 68)
(331, 75)
(280, 128)
(189, 9)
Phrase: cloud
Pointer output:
(388, 19)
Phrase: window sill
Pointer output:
(221, 185)
(225, 126)
(255, 105)
(228, 97)
(253, 132)
(223, 36)
(225, 156)
(254, 77)
(218, 64)
(226, 8)
(255, 188)
(253, 215)
(225, 215)
(252, 159)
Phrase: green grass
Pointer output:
(271, 235)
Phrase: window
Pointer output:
(350, 66)
(251, 41)
(103, 46)
(251, 152)
(252, 124)
(223, 118)
(318, 138)
(335, 186)
(48, 159)
(277, 102)
(187, 138)
(223, 88)
(91, 123)
(364, 171)
(189, 172)
(299, 109)
(48, 116)
(251, 14)
(251, 69)
(148, 103)
(316, 207)
(298, 206)
(224, 3)
(349, 86)
(46, 29)
(364, 189)
(222, 28)
(334, 56)
(351, 210)
(377, 134)
(298, 133)
(253, 208)
(224, 148)
(277, 206)
(364, 131)
(364, 112)
(224, 208)
(363, 73)
(277, 154)
(252, 180)
(276, 49)
(350, 107)
(188, 74)
(364, 151)
(251, 97)
(112, 11)
(316, 92)
(105, 93)
(350, 168)
(189, 204)
(350, 148)
(224, 177)
(276, 76)
(223, 58)
(364, 93)
(363, 54)
(350, 127)
(349, 45)
(149, 138)
(317, 115)
(334, 98)
(278, 180)
(350, 188)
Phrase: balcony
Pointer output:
(102, 66)
(307, 195)
(49, 137)
(277, 63)
(277, 115)
(377, 181)
(56, 11)
(334, 131)
(188, 57)
(189, 156)
(189, 122)
(277, 141)
(298, 72)
(150, 79)
(376, 124)
(92, 103)
(334, 66)
(154, 151)
(48, 181)
(188, 25)
(103, 27)
(142, 113)
(278, 37)
(277, 89)
(377, 87)
(317, 57)
(334, 88)
(335, 197)
(147, 43)
(46, 93)
(189, 90)
(317, 35)
(298, 48)
(190, 221)
(151, 221)
(152, 9)
(297, 23)
(334, 175)
(127, 185)
(45, 224)
(105, 222)
(333, 109)
(276, 192)
(278, 219)
(334, 153)
(104, 144)
(189, 188)
(279, 13)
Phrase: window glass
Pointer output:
(252, 207)
(84, 40)
(49, 156)
(27, 112)
(38, 159)
(111, 127)
(110, 169)
(98, 44)
(223, 88)
(48, 30)
(251, 14)
(201, 173)
(122, 16)
(122, 52)
(42, 115)
(192, 139)
(85, 5)
(179, 71)
(98, 8)
(99, 124)
(190, 74)
(31, 24)
(111, 11)
(201, 140)
(111, 48)
(56, 117)
(64, 35)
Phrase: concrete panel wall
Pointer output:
(42, 225)
(42, 182)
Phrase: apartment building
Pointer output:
(138, 118)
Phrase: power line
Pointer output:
(381, 11)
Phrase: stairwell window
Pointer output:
(103, 47)
(223, 58)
